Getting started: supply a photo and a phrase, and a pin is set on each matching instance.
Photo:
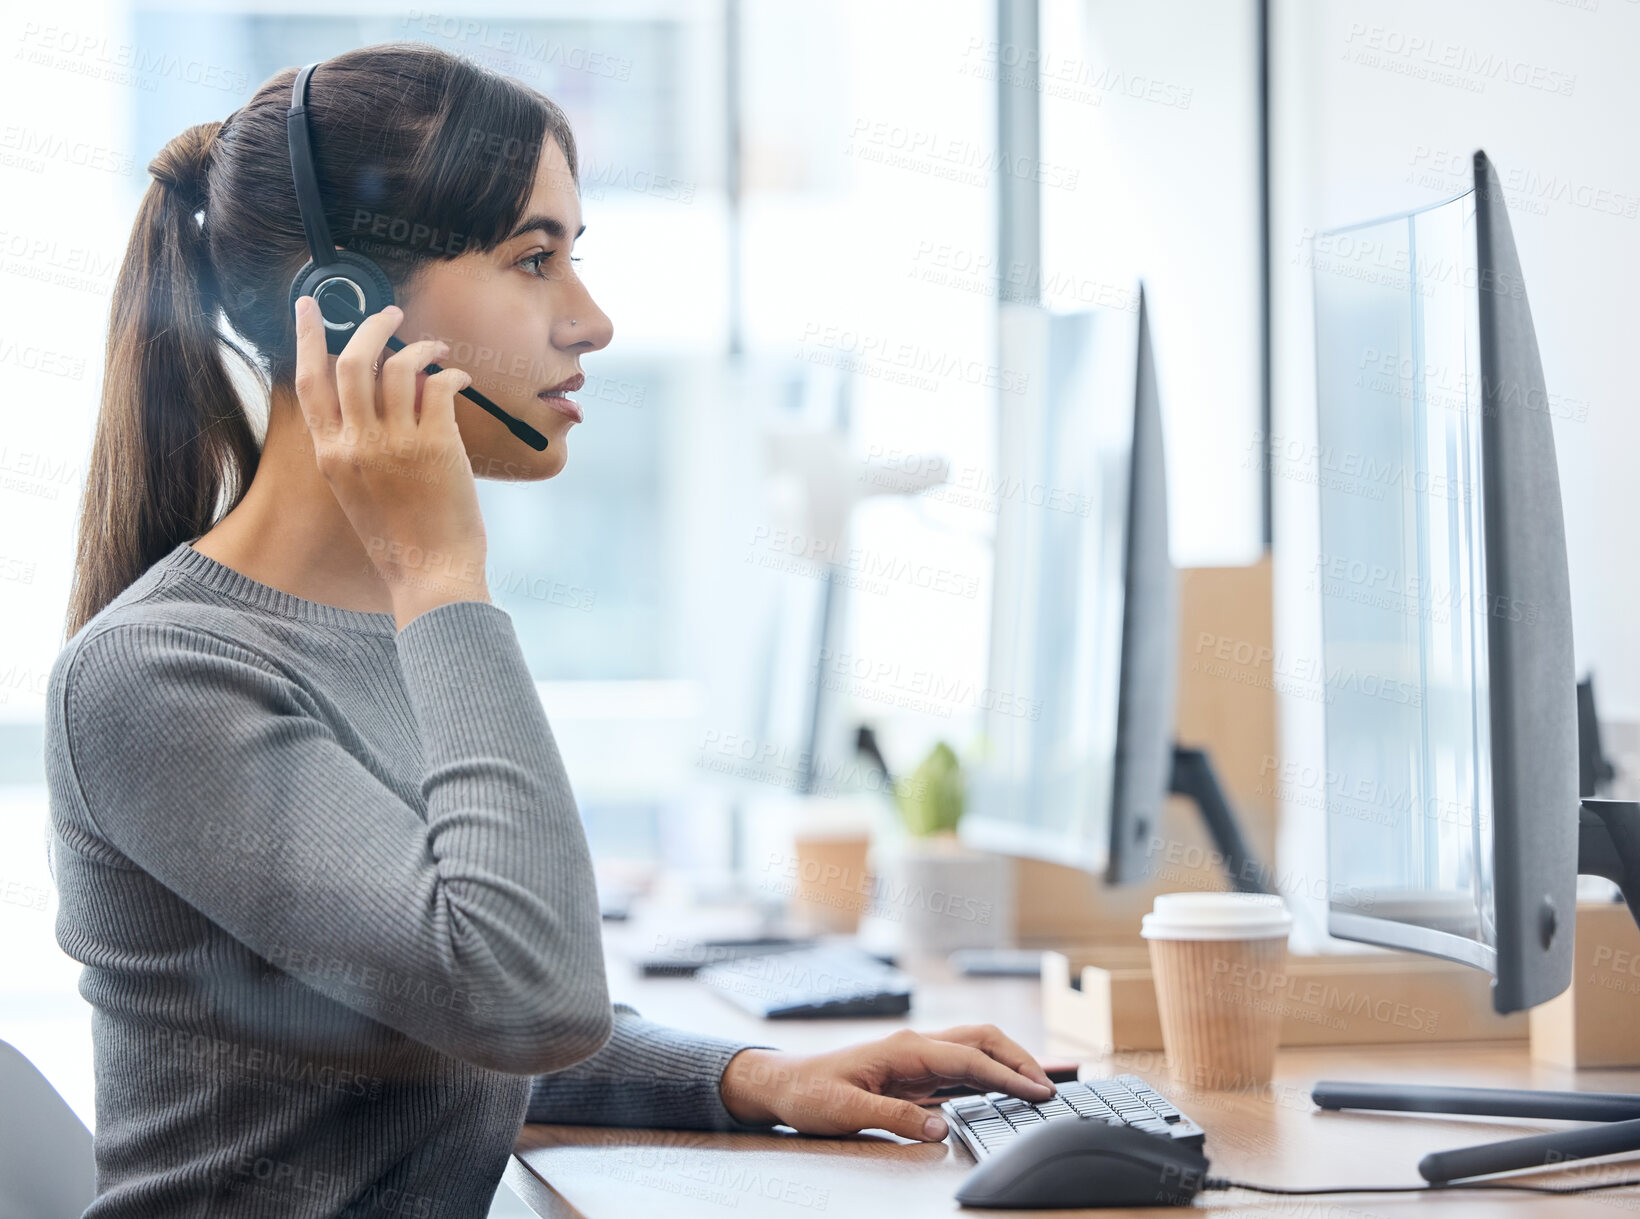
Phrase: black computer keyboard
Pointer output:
(985, 1123)
(825, 980)
(682, 958)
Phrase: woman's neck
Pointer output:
(289, 532)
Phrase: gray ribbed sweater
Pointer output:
(335, 907)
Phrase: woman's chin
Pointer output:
(496, 454)
(522, 464)
(555, 426)
(552, 462)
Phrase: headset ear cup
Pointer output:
(370, 280)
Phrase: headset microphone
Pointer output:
(346, 285)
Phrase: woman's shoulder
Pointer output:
(155, 675)
(149, 635)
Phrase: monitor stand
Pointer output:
(1193, 777)
(1608, 845)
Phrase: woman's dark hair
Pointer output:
(421, 156)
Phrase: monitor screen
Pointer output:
(1045, 787)
(1401, 579)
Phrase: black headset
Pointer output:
(348, 286)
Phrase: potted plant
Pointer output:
(938, 892)
(931, 802)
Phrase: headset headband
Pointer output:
(308, 200)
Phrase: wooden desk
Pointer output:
(1274, 1136)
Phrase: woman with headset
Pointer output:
(313, 838)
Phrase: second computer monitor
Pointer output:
(1085, 602)
(1451, 715)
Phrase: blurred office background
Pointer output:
(795, 214)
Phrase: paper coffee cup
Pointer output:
(833, 881)
(1214, 957)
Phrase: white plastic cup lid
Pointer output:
(1216, 916)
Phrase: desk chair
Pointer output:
(47, 1168)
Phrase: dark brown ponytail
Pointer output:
(421, 156)
(172, 435)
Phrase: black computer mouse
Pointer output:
(1086, 1163)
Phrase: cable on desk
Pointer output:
(1227, 1183)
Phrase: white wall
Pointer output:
(1377, 106)
(1154, 106)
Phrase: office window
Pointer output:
(1161, 128)
(870, 224)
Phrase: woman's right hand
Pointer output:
(389, 447)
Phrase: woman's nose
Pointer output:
(585, 326)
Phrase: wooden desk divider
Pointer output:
(1596, 1021)
(1102, 997)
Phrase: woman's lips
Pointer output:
(564, 406)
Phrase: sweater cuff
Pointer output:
(717, 1062)
(647, 1075)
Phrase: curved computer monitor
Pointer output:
(1451, 712)
(1085, 604)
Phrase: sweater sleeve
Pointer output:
(483, 914)
(646, 1075)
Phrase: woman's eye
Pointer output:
(538, 259)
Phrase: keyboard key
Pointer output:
(996, 1119)
(1158, 1103)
